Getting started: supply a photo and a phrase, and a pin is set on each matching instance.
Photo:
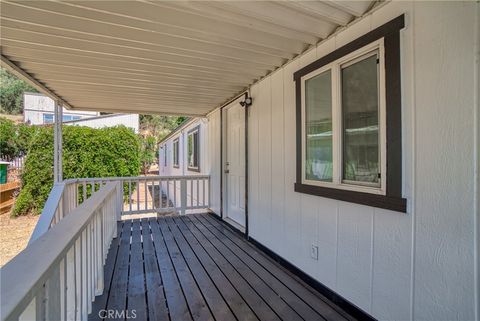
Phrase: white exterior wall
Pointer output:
(35, 105)
(128, 120)
(208, 159)
(419, 265)
(170, 170)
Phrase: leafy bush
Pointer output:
(87, 152)
(15, 139)
(7, 138)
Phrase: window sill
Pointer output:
(191, 169)
(381, 201)
(176, 166)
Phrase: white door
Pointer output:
(234, 164)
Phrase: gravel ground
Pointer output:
(14, 235)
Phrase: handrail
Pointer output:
(35, 279)
(127, 178)
(51, 207)
(167, 193)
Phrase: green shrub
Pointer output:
(87, 152)
(7, 138)
(15, 139)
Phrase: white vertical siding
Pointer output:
(394, 266)
(444, 99)
(213, 165)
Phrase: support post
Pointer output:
(57, 143)
(183, 195)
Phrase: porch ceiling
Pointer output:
(172, 57)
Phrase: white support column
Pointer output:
(57, 143)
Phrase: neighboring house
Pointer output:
(38, 109)
(183, 151)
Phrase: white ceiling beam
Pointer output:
(88, 57)
(152, 19)
(53, 68)
(166, 16)
(164, 109)
(147, 83)
(78, 47)
(20, 73)
(73, 94)
(320, 10)
(214, 9)
(355, 8)
(100, 66)
(57, 82)
(114, 27)
(155, 44)
(275, 13)
(26, 31)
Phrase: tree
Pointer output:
(11, 93)
(148, 152)
(159, 126)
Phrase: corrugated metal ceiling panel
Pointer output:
(173, 57)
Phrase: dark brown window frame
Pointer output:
(393, 200)
(194, 169)
(176, 141)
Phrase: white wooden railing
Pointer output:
(59, 274)
(147, 194)
(139, 194)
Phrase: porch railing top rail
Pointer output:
(51, 207)
(130, 178)
(22, 277)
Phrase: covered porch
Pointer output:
(194, 267)
(398, 242)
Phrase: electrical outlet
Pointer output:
(314, 252)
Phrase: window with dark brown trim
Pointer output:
(193, 149)
(349, 122)
(176, 144)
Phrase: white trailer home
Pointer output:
(185, 150)
(39, 109)
(339, 138)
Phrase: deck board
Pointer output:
(194, 267)
(157, 304)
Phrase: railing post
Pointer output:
(183, 195)
(119, 200)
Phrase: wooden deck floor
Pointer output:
(195, 267)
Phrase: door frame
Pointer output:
(223, 157)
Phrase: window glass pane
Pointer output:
(195, 149)
(164, 155)
(190, 151)
(318, 129)
(47, 118)
(175, 153)
(360, 121)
